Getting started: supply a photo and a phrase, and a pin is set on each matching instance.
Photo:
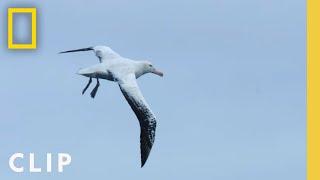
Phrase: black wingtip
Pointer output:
(143, 161)
(77, 50)
(63, 52)
(142, 164)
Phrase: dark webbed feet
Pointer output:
(84, 90)
(95, 89)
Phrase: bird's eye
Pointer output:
(150, 65)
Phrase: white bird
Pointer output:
(124, 71)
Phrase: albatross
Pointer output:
(124, 71)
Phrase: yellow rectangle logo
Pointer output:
(33, 12)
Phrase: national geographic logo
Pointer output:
(12, 12)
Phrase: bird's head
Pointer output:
(149, 68)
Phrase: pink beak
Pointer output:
(159, 73)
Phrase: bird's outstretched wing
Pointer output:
(147, 120)
(103, 53)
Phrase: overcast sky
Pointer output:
(231, 105)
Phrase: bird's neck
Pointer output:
(139, 70)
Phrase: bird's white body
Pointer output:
(124, 71)
(105, 70)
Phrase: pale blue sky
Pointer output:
(231, 105)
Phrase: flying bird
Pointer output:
(124, 71)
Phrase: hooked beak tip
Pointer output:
(159, 73)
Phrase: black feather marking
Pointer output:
(147, 123)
